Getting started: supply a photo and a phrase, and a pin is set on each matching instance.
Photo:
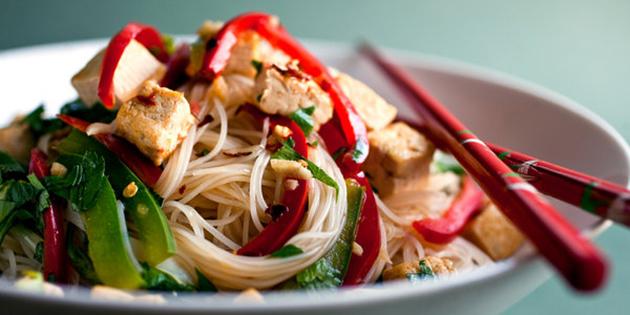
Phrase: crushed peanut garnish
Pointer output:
(58, 169)
(291, 184)
(281, 132)
(130, 190)
(357, 249)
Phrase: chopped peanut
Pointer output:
(130, 190)
(58, 169)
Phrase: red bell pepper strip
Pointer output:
(279, 231)
(269, 28)
(146, 35)
(176, 68)
(468, 202)
(54, 236)
(126, 152)
(368, 236)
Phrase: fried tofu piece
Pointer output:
(244, 51)
(399, 159)
(400, 150)
(437, 265)
(284, 90)
(156, 121)
(375, 112)
(136, 66)
(401, 270)
(494, 233)
(17, 141)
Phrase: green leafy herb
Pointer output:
(425, 272)
(83, 182)
(158, 280)
(203, 283)
(39, 252)
(257, 65)
(359, 149)
(42, 202)
(320, 275)
(80, 261)
(286, 152)
(16, 204)
(94, 113)
(40, 126)
(9, 166)
(287, 251)
(303, 118)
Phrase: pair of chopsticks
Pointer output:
(575, 257)
(595, 195)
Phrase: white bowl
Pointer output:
(499, 108)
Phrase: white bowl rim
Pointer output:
(389, 292)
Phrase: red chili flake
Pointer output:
(275, 211)
(182, 189)
(148, 100)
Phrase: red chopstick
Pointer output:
(575, 257)
(595, 195)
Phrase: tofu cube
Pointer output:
(375, 112)
(283, 90)
(494, 233)
(136, 66)
(438, 266)
(17, 141)
(156, 121)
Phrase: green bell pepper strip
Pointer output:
(339, 255)
(330, 270)
(108, 242)
(154, 232)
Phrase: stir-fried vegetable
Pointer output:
(108, 242)
(153, 230)
(443, 230)
(146, 35)
(278, 232)
(54, 235)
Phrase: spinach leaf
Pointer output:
(82, 184)
(303, 118)
(286, 152)
(287, 251)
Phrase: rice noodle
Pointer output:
(216, 202)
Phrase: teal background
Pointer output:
(578, 48)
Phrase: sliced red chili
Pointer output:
(443, 230)
(279, 231)
(125, 151)
(268, 27)
(54, 235)
(146, 35)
